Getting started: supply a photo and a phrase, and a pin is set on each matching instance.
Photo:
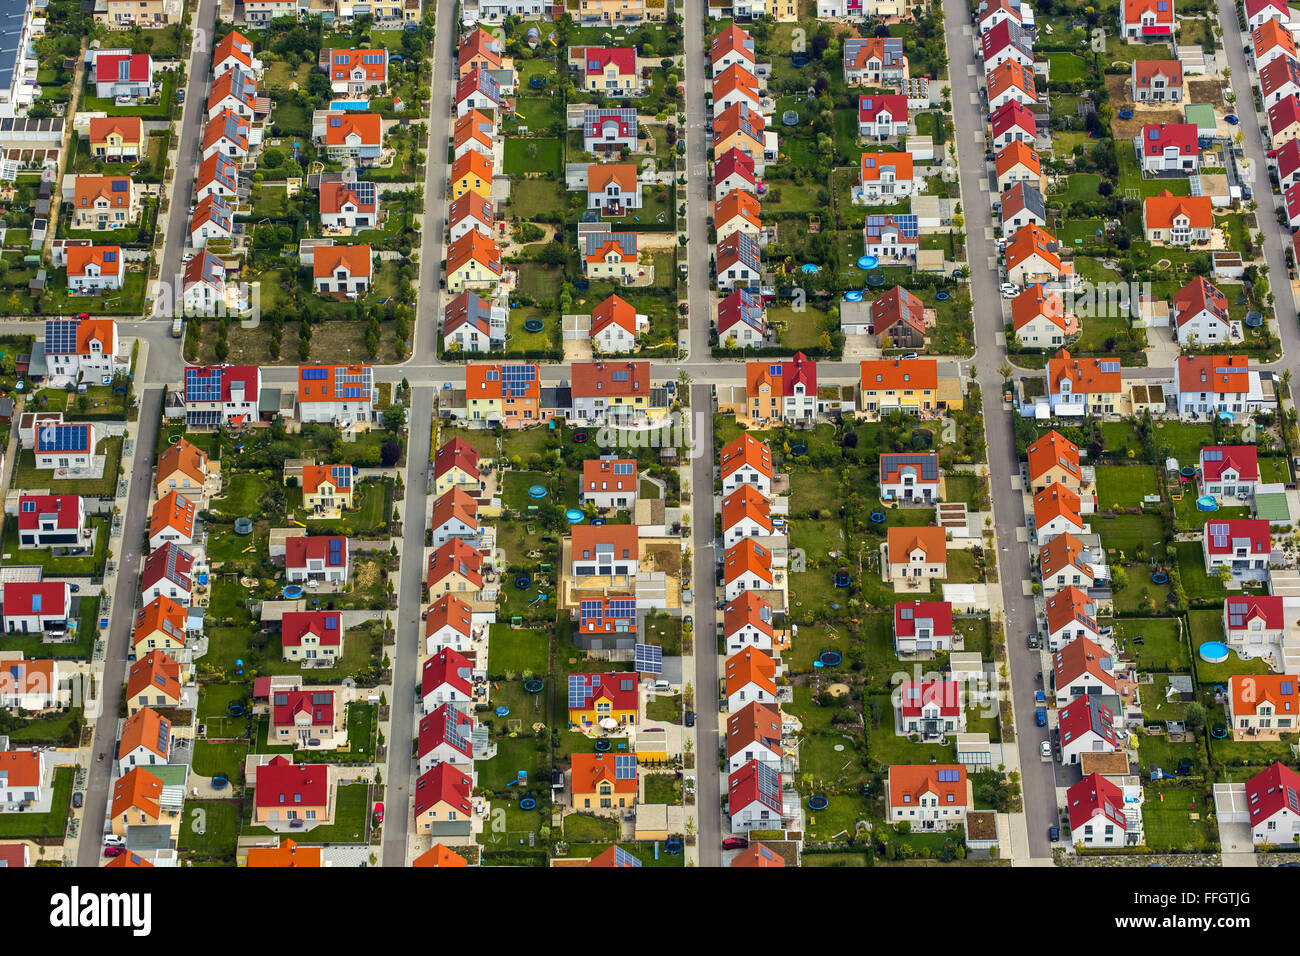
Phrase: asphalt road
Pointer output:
(129, 550)
(435, 181)
(1008, 508)
(697, 183)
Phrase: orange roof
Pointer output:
(1063, 551)
(129, 860)
(1159, 212)
(472, 204)
(746, 450)
(1132, 10)
(1009, 75)
(103, 331)
(22, 767)
(902, 541)
(367, 126)
(88, 190)
(1049, 451)
(754, 723)
(756, 854)
(613, 310)
(148, 729)
(183, 458)
(1086, 375)
(474, 164)
(287, 854)
(589, 770)
(747, 609)
(439, 855)
(472, 126)
(480, 43)
(326, 260)
(737, 118)
(476, 247)
(1033, 240)
(1067, 606)
(1056, 501)
(746, 502)
(233, 44)
(1221, 374)
(484, 381)
(162, 614)
(29, 677)
(735, 77)
(872, 163)
(750, 666)
(732, 40)
(1270, 34)
(1016, 154)
(175, 512)
(1034, 303)
(313, 476)
(217, 127)
(108, 259)
(600, 251)
(737, 203)
(454, 504)
(748, 556)
(155, 671)
(880, 375)
(908, 782)
(130, 128)
(137, 789)
(622, 175)
(624, 538)
(1249, 691)
(1081, 656)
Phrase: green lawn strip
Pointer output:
(515, 651)
(32, 646)
(1166, 820)
(50, 824)
(349, 826)
(212, 759)
(665, 708)
(1162, 647)
(663, 788)
(210, 830)
(1123, 486)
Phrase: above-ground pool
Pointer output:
(574, 515)
(790, 118)
(536, 491)
(868, 262)
(853, 295)
(292, 592)
(1207, 503)
(350, 105)
(243, 526)
(1213, 652)
(1227, 417)
(503, 711)
(808, 268)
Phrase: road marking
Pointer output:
(970, 69)
(988, 230)
(974, 99)
(1000, 338)
(1022, 534)
(993, 263)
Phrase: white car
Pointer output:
(1008, 290)
(1046, 750)
(112, 839)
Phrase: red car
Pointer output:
(735, 843)
(1271, 154)
(379, 813)
(111, 851)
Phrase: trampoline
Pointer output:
(523, 581)
(818, 802)
(534, 325)
(1125, 114)
(236, 710)
(292, 592)
(799, 62)
(942, 296)
(853, 295)
(597, 522)
(527, 803)
(574, 515)
(1160, 578)
(1207, 503)
(580, 438)
(1254, 320)
(867, 263)
(799, 450)
(536, 491)
(1213, 652)
(875, 279)
(1218, 731)
(220, 781)
(830, 658)
(841, 579)
(790, 118)
(673, 847)
(877, 517)
(602, 746)
(503, 711)
(1188, 471)
(537, 82)
(243, 526)
(533, 685)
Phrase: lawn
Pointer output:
(834, 760)
(1166, 818)
(515, 485)
(50, 824)
(516, 651)
(663, 788)
(1123, 486)
(589, 828)
(1066, 67)
(961, 486)
(32, 646)
(241, 495)
(1162, 649)
(664, 708)
(666, 631)
(533, 156)
(351, 809)
(513, 755)
(211, 759)
(1198, 584)
(84, 566)
(530, 198)
(1127, 533)
(1208, 626)
(210, 830)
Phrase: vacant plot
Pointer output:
(530, 198)
(1129, 534)
(525, 156)
(1155, 644)
(1124, 486)
(1179, 819)
(514, 651)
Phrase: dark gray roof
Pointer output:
(927, 463)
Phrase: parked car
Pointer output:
(690, 718)
(113, 839)
(77, 799)
(1040, 718)
(111, 851)
(1032, 640)
(735, 843)
(1008, 290)
(1053, 833)
(1046, 750)
(1040, 698)
(180, 95)
(379, 813)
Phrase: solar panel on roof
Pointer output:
(623, 858)
(624, 767)
(948, 776)
(451, 730)
(579, 691)
(649, 659)
(1212, 454)
(60, 336)
(314, 374)
(62, 438)
(331, 623)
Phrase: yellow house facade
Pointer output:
(742, 141)
(124, 14)
(327, 487)
(471, 274)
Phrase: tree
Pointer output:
(1194, 718)
(394, 418)
(389, 453)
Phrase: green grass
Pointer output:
(1205, 626)
(1127, 533)
(1191, 569)
(513, 754)
(1066, 67)
(90, 565)
(530, 198)
(533, 156)
(26, 475)
(664, 708)
(517, 651)
(351, 807)
(32, 646)
(1123, 486)
(1161, 649)
(241, 495)
(589, 828)
(50, 824)
(964, 487)
(211, 759)
(210, 830)
(1168, 824)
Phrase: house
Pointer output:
(182, 467)
(473, 262)
(898, 318)
(316, 558)
(609, 131)
(226, 135)
(882, 116)
(478, 90)
(446, 678)
(909, 477)
(471, 323)
(65, 445)
(1063, 562)
(305, 718)
(457, 568)
(1007, 42)
(1241, 546)
(596, 698)
(474, 132)
(356, 73)
(916, 555)
(355, 136)
(203, 284)
(615, 857)
(747, 622)
(1018, 162)
(1168, 148)
(754, 797)
(82, 350)
(1096, 808)
(233, 91)
(123, 14)
(603, 781)
(287, 854)
(1022, 205)
(30, 685)
(1057, 510)
(285, 791)
(740, 127)
(1040, 320)
(154, 680)
(159, 625)
(332, 394)
(52, 521)
(1261, 11)
(929, 708)
(1053, 459)
(746, 460)
(874, 61)
(885, 178)
(616, 324)
(217, 176)
(448, 623)
(607, 623)
(345, 270)
(1156, 81)
(1229, 471)
(18, 855)
(1272, 797)
(145, 741)
(1252, 623)
(754, 734)
(923, 627)
(1284, 121)
(733, 170)
(1082, 668)
(326, 489)
(604, 551)
(1177, 220)
(617, 392)
(1078, 386)
(732, 47)
(1208, 384)
(609, 71)
(612, 189)
(1071, 615)
(1279, 79)
(92, 270)
(348, 206)
(616, 13)
(886, 237)
(442, 802)
(1087, 726)
(478, 50)
(745, 514)
(137, 801)
(928, 796)
(1032, 255)
(172, 520)
(444, 737)
(311, 637)
(168, 572)
(747, 566)
(781, 390)
(736, 85)
(509, 394)
(235, 50)
(1271, 41)
(455, 465)
(454, 515)
(116, 139)
(908, 385)
(750, 677)
(1262, 704)
(990, 13)
(1143, 20)
(739, 262)
(125, 75)
(742, 320)
(1012, 82)
(1012, 122)
(738, 211)
(22, 777)
(213, 219)
(1201, 314)
(36, 607)
(608, 483)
